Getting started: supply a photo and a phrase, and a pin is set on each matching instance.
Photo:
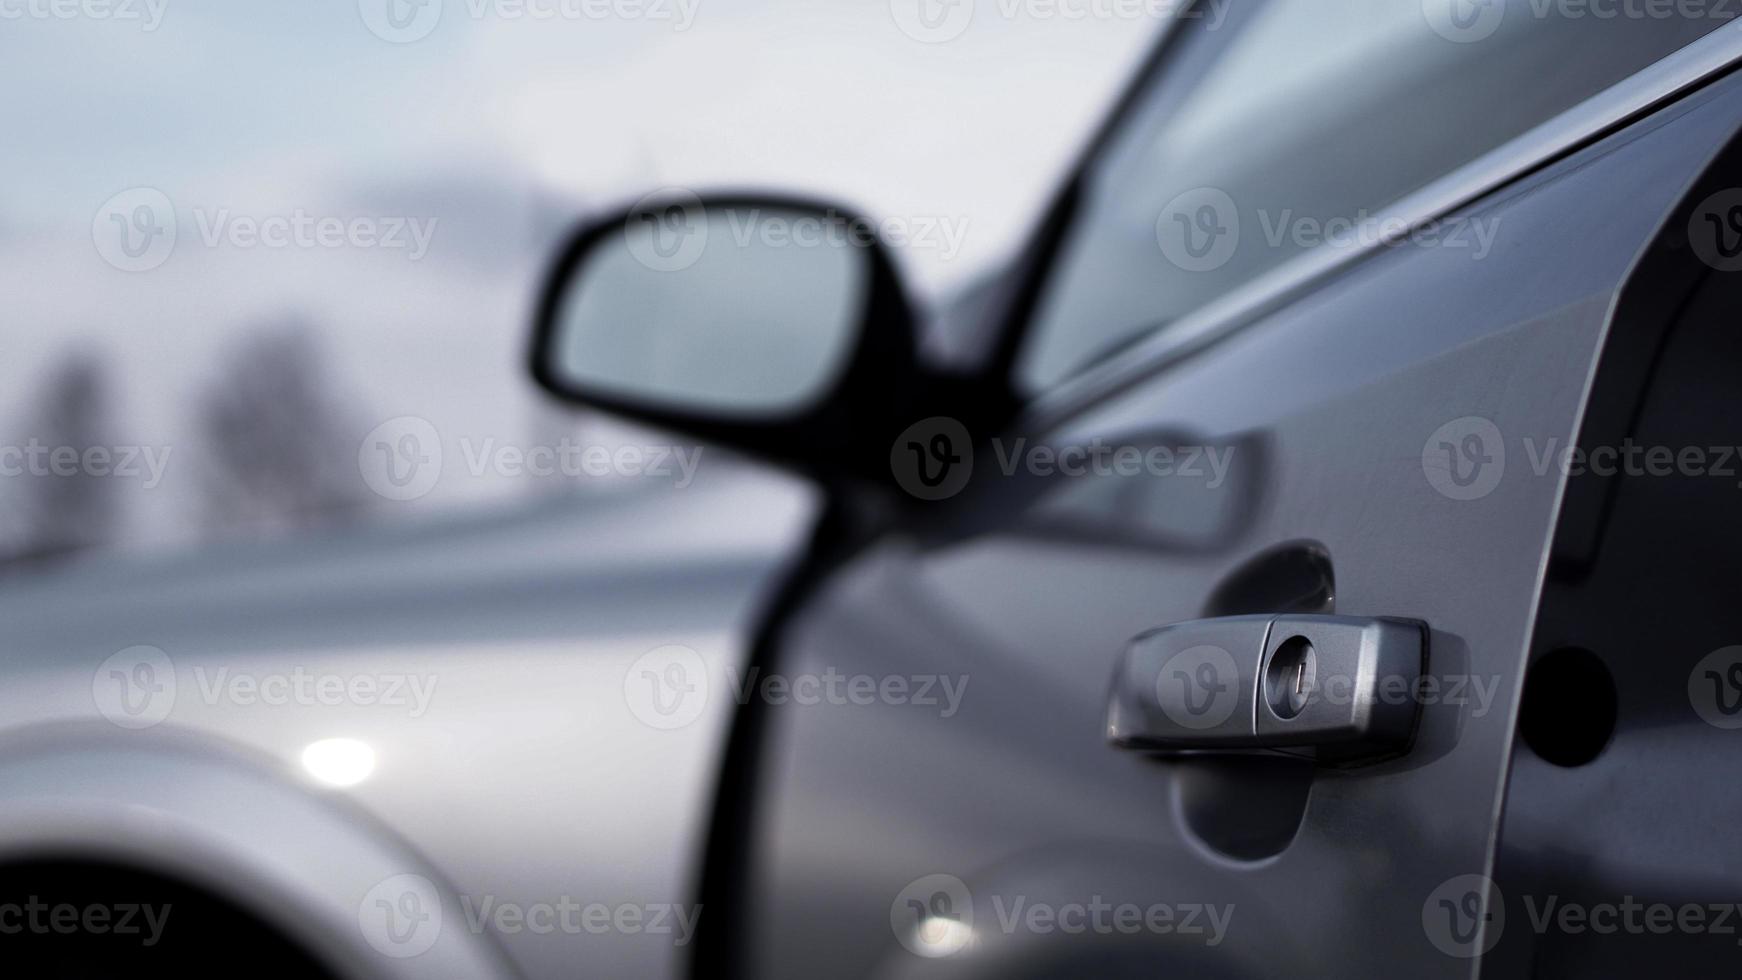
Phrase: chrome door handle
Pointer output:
(1338, 689)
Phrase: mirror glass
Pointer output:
(744, 310)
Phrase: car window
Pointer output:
(1276, 127)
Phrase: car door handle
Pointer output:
(1338, 689)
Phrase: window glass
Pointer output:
(1279, 126)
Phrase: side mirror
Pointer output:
(773, 325)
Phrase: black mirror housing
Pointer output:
(846, 429)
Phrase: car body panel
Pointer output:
(1330, 408)
(509, 777)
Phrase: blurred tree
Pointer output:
(279, 450)
(64, 506)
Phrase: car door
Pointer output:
(1317, 291)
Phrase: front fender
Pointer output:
(310, 864)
